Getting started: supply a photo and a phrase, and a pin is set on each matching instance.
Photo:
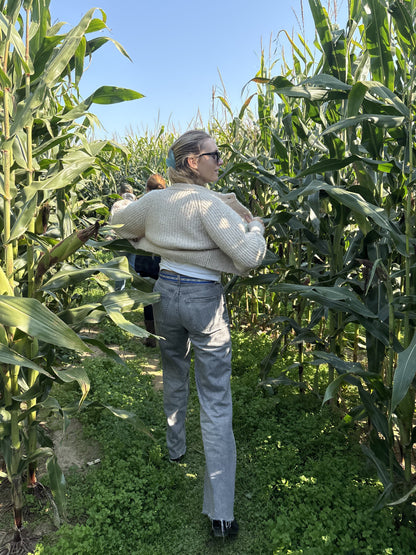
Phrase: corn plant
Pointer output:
(339, 169)
(46, 156)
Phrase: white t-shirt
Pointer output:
(190, 270)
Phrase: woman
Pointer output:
(198, 233)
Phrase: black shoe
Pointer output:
(223, 529)
(150, 342)
(150, 327)
(178, 460)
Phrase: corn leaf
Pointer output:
(75, 316)
(79, 59)
(355, 99)
(57, 483)
(126, 325)
(96, 43)
(391, 99)
(131, 418)
(58, 63)
(5, 287)
(103, 95)
(380, 120)
(31, 317)
(377, 417)
(354, 201)
(75, 374)
(343, 300)
(113, 95)
(404, 374)
(312, 93)
(53, 70)
(378, 42)
(16, 40)
(116, 268)
(332, 389)
(80, 162)
(343, 366)
(25, 217)
(333, 42)
(338, 298)
(115, 304)
(404, 25)
(326, 81)
(104, 349)
(403, 498)
(120, 301)
(4, 79)
(50, 144)
(97, 24)
(9, 356)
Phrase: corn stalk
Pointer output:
(38, 161)
(340, 167)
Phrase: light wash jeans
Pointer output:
(196, 314)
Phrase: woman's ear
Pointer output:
(192, 162)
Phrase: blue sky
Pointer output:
(179, 49)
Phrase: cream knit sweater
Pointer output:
(191, 224)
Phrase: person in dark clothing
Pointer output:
(127, 195)
(148, 266)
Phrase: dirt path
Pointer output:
(152, 367)
(70, 447)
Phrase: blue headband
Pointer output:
(170, 160)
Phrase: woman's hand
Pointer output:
(254, 219)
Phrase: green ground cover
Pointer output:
(303, 485)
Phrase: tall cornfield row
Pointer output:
(47, 217)
(329, 163)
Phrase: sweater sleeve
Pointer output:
(131, 219)
(231, 200)
(243, 243)
(119, 205)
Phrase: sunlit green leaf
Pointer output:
(404, 373)
(116, 268)
(33, 318)
(25, 217)
(113, 95)
(9, 356)
(57, 482)
(78, 374)
(16, 40)
(378, 42)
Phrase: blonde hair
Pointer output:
(186, 145)
(155, 181)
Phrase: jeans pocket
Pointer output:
(206, 311)
(165, 308)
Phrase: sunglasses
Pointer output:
(214, 155)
